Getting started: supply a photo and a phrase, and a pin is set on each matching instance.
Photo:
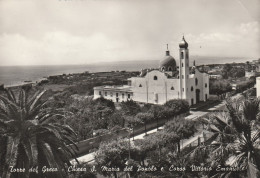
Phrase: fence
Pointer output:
(204, 138)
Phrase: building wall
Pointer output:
(258, 87)
(163, 89)
(112, 94)
(202, 86)
(148, 90)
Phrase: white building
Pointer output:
(160, 85)
(257, 86)
(250, 74)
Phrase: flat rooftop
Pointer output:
(126, 88)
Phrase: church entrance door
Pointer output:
(197, 95)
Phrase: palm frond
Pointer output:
(11, 155)
(10, 95)
(22, 97)
(37, 100)
(251, 109)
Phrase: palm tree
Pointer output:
(29, 138)
(246, 148)
(237, 137)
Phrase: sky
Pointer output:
(54, 32)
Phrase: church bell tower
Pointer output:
(184, 68)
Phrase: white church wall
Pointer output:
(155, 88)
(191, 93)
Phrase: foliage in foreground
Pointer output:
(237, 139)
(30, 138)
(234, 144)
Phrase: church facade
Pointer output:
(158, 86)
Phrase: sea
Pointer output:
(18, 75)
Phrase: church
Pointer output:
(157, 86)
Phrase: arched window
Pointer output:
(182, 55)
(191, 88)
(182, 64)
(163, 68)
(172, 88)
(155, 78)
(140, 85)
(170, 69)
(196, 81)
(206, 85)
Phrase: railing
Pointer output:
(203, 139)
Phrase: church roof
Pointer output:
(167, 62)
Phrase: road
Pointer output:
(193, 116)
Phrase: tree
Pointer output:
(219, 88)
(30, 138)
(241, 86)
(159, 113)
(130, 107)
(132, 122)
(237, 72)
(114, 154)
(153, 144)
(116, 119)
(181, 127)
(177, 106)
(144, 118)
(91, 115)
(226, 71)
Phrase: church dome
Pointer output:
(183, 43)
(168, 63)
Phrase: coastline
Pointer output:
(15, 75)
